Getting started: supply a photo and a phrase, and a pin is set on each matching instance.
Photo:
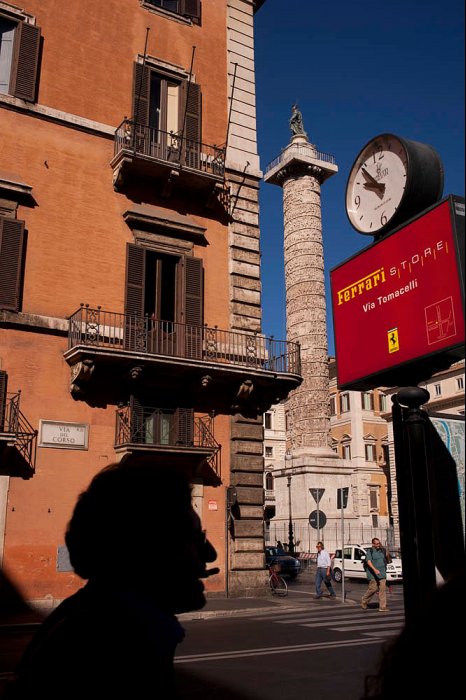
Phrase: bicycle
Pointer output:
(277, 583)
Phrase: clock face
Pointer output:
(377, 184)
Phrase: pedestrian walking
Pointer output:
(323, 572)
(116, 637)
(376, 571)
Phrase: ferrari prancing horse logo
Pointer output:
(393, 340)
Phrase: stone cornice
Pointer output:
(34, 322)
(55, 115)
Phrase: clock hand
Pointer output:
(372, 182)
(369, 177)
(379, 190)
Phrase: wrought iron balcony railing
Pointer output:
(97, 328)
(13, 423)
(300, 150)
(146, 426)
(170, 147)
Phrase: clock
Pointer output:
(392, 180)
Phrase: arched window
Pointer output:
(269, 481)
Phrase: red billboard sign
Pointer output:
(398, 305)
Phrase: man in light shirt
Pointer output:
(323, 572)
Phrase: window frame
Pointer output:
(345, 402)
(189, 307)
(25, 59)
(346, 450)
(367, 400)
(189, 11)
(157, 142)
(374, 499)
(383, 402)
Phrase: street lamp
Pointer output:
(290, 522)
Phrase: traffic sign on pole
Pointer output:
(317, 519)
(317, 494)
(342, 497)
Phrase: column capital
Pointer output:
(300, 158)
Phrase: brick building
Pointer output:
(130, 295)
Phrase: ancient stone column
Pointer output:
(310, 465)
(300, 171)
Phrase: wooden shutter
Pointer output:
(141, 94)
(191, 9)
(191, 110)
(135, 338)
(11, 262)
(193, 306)
(184, 418)
(137, 420)
(3, 386)
(23, 81)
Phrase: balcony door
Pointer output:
(164, 298)
(162, 301)
(164, 118)
(166, 109)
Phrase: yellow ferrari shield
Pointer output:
(393, 340)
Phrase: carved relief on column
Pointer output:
(306, 307)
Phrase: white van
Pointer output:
(355, 555)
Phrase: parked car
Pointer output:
(355, 555)
(289, 565)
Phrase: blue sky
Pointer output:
(357, 69)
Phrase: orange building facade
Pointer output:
(130, 296)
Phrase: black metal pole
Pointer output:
(290, 522)
(414, 499)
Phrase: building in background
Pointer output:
(130, 295)
(274, 456)
(361, 434)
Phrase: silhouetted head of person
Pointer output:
(117, 524)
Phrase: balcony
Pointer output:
(269, 496)
(167, 436)
(142, 151)
(18, 440)
(212, 369)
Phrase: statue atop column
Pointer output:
(296, 122)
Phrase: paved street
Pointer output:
(302, 648)
(253, 648)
